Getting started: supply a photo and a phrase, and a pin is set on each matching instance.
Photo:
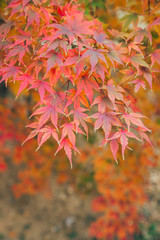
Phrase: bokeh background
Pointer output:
(41, 198)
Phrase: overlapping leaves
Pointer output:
(70, 62)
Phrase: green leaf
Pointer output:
(128, 19)
(138, 60)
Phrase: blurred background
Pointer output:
(41, 198)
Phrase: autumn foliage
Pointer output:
(74, 64)
(87, 75)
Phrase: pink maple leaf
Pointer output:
(154, 23)
(155, 57)
(42, 86)
(114, 148)
(103, 102)
(47, 112)
(36, 66)
(105, 120)
(25, 80)
(87, 83)
(66, 144)
(47, 133)
(68, 131)
(53, 60)
(139, 83)
(101, 70)
(10, 72)
(73, 27)
(134, 118)
(23, 38)
(114, 92)
(122, 135)
(19, 51)
(5, 27)
(32, 16)
(79, 118)
(95, 55)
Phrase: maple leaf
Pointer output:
(54, 75)
(32, 16)
(134, 118)
(105, 120)
(144, 136)
(5, 27)
(76, 98)
(47, 133)
(101, 70)
(66, 144)
(117, 34)
(114, 92)
(87, 83)
(154, 23)
(155, 57)
(34, 132)
(53, 59)
(122, 135)
(42, 86)
(47, 112)
(140, 34)
(30, 136)
(24, 37)
(25, 80)
(114, 148)
(79, 118)
(10, 72)
(63, 30)
(95, 54)
(71, 60)
(68, 131)
(16, 6)
(135, 46)
(100, 38)
(129, 74)
(147, 75)
(62, 43)
(19, 51)
(36, 66)
(114, 56)
(138, 84)
(137, 61)
(103, 102)
(73, 27)
(128, 19)
(56, 99)
(47, 14)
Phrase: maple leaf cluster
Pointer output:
(71, 62)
